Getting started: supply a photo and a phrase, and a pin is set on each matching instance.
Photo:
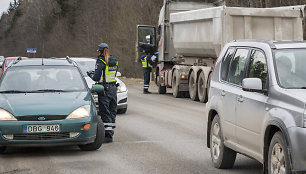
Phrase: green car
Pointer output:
(47, 102)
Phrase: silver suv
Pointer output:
(256, 105)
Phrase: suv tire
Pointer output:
(2, 149)
(99, 138)
(222, 156)
(278, 152)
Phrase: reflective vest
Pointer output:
(145, 63)
(109, 73)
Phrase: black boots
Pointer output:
(146, 91)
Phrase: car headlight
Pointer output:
(6, 116)
(81, 112)
(121, 88)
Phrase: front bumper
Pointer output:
(66, 127)
(297, 138)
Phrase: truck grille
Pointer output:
(41, 117)
(42, 136)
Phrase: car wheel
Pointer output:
(222, 156)
(99, 138)
(121, 111)
(175, 85)
(278, 157)
(193, 87)
(2, 149)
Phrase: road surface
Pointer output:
(158, 134)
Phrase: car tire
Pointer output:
(278, 149)
(175, 85)
(99, 138)
(121, 111)
(2, 149)
(222, 156)
(193, 87)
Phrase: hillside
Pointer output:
(58, 28)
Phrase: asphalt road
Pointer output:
(158, 134)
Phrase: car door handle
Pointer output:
(240, 98)
(223, 93)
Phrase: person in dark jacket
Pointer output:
(105, 74)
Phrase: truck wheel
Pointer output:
(207, 87)
(222, 156)
(201, 87)
(2, 149)
(175, 85)
(193, 87)
(278, 158)
(99, 138)
(161, 89)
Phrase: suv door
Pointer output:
(251, 106)
(231, 77)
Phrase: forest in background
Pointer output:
(59, 28)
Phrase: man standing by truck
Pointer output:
(147, 60)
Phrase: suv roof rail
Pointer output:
(269, 42)
(68, 59)
(17, 60)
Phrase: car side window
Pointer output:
(258, 67)
(237, 66)
(226, 61)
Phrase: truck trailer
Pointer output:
(191, 34)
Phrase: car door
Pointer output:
(251, 105)
(230, 87)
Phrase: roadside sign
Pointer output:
(31, 50)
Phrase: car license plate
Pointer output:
(41, 128)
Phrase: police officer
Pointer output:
(147, 60)
(105, 74)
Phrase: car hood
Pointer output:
(62, 103)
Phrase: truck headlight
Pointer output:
(81, 112)
(121, 88)
(6, 116)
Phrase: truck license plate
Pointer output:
(41, 128)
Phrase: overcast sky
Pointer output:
(4, 4)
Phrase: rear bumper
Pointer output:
(66, 126)
(298, 151)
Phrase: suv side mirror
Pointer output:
(97, 88)
(252, 85)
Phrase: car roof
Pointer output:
(83, 59)
(17, 57)
(276, 44)
(42, 62)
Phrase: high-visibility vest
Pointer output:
(145, 63)
(110, 73)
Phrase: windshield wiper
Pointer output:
(304, 87)
(49, 90)
(14, 91)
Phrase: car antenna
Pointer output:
(17, 60)
(68, 59)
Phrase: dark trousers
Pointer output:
(108, 109)
(146, 76)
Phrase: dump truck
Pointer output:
(190, 35)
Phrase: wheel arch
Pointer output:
(211, 115)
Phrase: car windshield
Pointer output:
(42, 79)
(86, 66)
(290, 68)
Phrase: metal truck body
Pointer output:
(192, 34)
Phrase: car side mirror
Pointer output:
(97, 88)
(118, 74)
(252, 85)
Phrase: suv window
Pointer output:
(258, 67)
(237, 66)
(226, 61)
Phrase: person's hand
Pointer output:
(90, 73)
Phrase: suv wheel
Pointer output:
(222, 156)
(278, 158)
(2, 149)
(99, 138)
(121, 111)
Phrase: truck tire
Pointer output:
(222, 156)
(99, 138)
(175, 85)
(161, 89)
(278, 149)
(201, 87)
(207, 88)
(193, 87)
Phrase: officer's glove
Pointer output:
(90, 73)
